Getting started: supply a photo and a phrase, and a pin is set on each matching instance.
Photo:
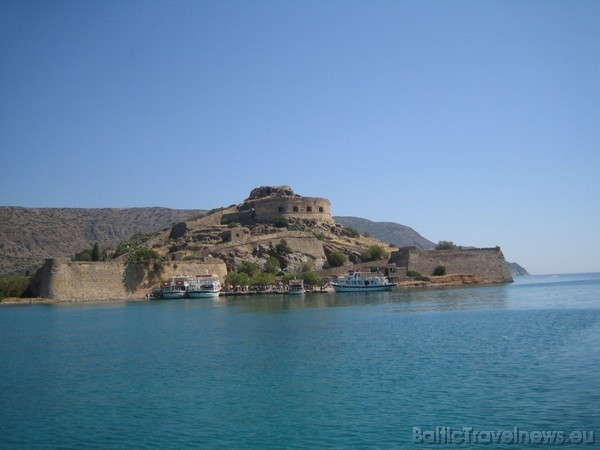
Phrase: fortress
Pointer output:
(267, 203)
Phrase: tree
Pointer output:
(439, 271)
(143, 254)
(446, 245)
(237, 279)
(352, 232)
(337, 259)
(281, 222)
(96, 252)
(272, 265)
(373, 253)
(249, 268)
(263, 279)
(311, 279)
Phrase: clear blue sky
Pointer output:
(471, 121)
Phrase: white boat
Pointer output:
(204, 286)
(296, 287)
(357, 281)
(175, 287)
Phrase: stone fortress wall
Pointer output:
(489, 263)
(268, 203)
(63, 279)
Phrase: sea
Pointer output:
(501, 366)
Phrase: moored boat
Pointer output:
(357, 281)
(175, 287)
(296, 287)
(156, 294)
(204, 286)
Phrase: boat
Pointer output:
(357, 281)
(156, 294)
(296, 287)
(204, 286)
(175, 287)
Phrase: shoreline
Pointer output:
(432, 282)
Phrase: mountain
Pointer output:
(29, 235)
(389, 232)
(517, 270)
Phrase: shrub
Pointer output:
(13, 286)
(439, 271)
(413, 273)
(281, 222)
(446, 245)
(233, 225)
(352, 232)
(337, 259)
(312, 279)
(263, 279)
(237, 279)
(249, 268)
(272, 265)
(146, 254)
(283, 249)
(373, 253)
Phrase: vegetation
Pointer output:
(90, 254)
(373, 253)
(310, 278)
(233, 225)
(272, 265)
(263, 279)
(143, 254)
(413, 273)
(281, 222)
(135, 242)
(446, 245)
(336, 259)
(249, 268)
(352, 232)
(283, 249)
(439, 271)
(13, 286)
(237, 279)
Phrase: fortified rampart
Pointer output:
(489, 263)
(63, 279)
(266, 204)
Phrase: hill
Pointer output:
(29, 235)
(389, 232)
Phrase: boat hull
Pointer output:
(202, 294)
(173, 295)
(371, 288)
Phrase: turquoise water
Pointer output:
(323, 371)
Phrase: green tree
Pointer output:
(311, 279)
(96, 252)
(84, 255)
(439, 271)
(272, 265)
(373, 253)
(337, 259)
(446, 245)
(263, 279)
(143, 254)
(13, 286)
(281, 222)
(249, 268)
(237, 279)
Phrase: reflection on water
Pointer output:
(417, 300)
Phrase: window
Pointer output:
(320, 209)
(281, 209)
(295, 209)
(309, 209)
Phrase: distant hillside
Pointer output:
(389, 232)
(517, 270)
(29, 235)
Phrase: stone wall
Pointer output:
(489, 263)
(63, 279)
(267, 210)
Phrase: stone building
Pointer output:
(267, 203)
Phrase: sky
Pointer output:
(471, 121)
